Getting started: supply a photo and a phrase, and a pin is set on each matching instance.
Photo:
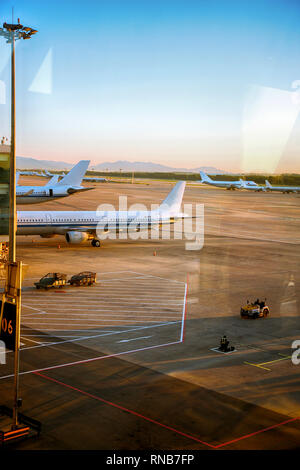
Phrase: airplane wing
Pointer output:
(77, 190)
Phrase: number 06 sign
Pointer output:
(8, 324)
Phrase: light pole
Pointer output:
(13, 32)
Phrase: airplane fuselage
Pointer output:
(80, 226)
(223, 184)
(38, 194)
(284, 189)
(59, 222)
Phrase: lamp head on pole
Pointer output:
(16, 31)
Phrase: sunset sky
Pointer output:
(182, 83)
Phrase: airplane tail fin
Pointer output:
(204, 177)
(74, 177)
(53, 181)
(173, 201)
(268, 185)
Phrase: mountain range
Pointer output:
(27, 163)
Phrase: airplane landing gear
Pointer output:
(96, 242)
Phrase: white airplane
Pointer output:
(81, 226)
(54, 189)
(28, 173)
(219, 184)
(251, 186)
(282, 189)
(47, 173)
(95, 179)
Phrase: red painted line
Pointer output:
(139, 415)
(115, 405)
(246, 436)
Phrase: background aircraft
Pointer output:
(54, 189)
(251, 186)
(95, 179)
(282, 189)
(219, 184)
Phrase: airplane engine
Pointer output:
(76, 237)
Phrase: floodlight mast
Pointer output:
(13, 32)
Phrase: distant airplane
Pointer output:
(282, 189)
(43, 173)
(95, 179)
(47, 173)
(81, 226)
(54, 189)
(219, 184)
(29, 173)
(251, 186)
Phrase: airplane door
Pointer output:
(51, 192)
(48, 219)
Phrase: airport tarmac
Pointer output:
(130, 363)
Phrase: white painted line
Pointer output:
(33, 308)
(29, 339)
(85, 361)
(222, 352)
(163, 278)
(90, 324)
(113, 304)
(95, 310)
(83, 338)
(183, 314)
(133, 339)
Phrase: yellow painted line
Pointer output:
(276, 360)
(261, 364)
(256, 365)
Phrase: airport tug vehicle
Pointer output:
(51, 280)
(254, 310)
(85, 278)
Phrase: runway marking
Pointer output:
(120, 407)
(82, 314)
(223, 352)
(133, 339)
(256, 365)
(157, 300)
(109, 309)
(184, 310)
(154, 421)
(260, 365)
(162, 278)
(33, 308)
(85, 361)
(144, 300)
(83, 338)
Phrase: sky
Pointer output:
(181, 83)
